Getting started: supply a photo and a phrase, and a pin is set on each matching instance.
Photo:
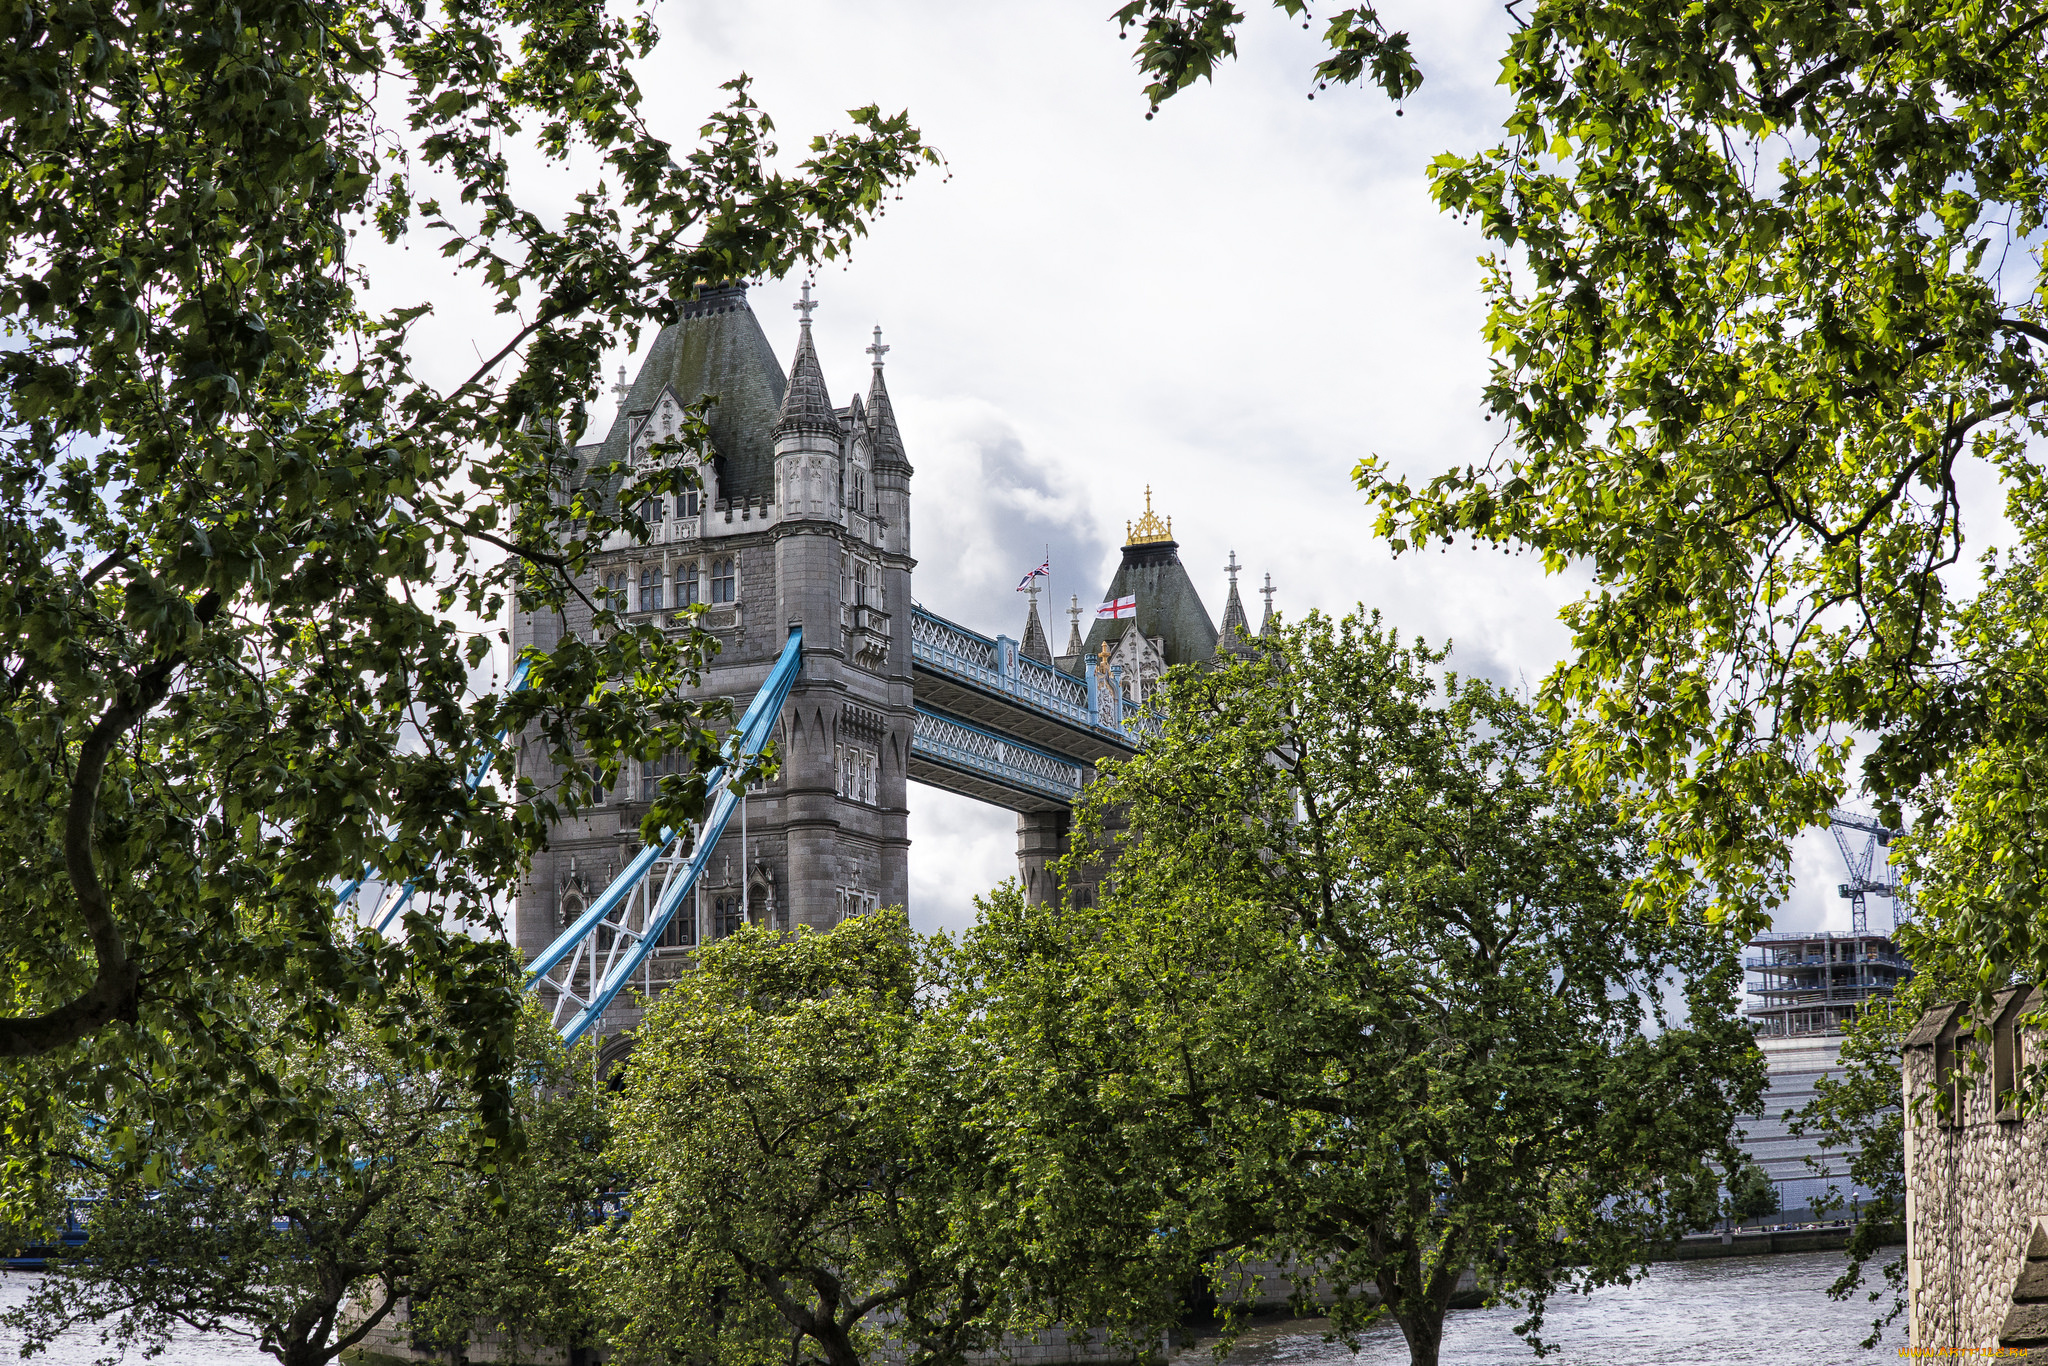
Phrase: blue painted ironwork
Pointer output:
(953, 743)
(997, 665)
(612, 940)
(54, 1244)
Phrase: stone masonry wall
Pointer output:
(1976, 1185)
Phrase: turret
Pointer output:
(809, 439)
(1234, 636)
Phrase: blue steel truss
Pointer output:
(952, 743)
(595, 958)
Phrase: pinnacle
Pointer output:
(888, 441)
(806, 407)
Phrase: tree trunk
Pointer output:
(1424, 1330)
(834, 1342)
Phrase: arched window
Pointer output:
(650, 589)
(725, 584)
(858, 498)
(687, 592)
(652, 509)
(688, 503)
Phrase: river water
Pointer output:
(1731, 1312)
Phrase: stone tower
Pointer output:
(803, 519)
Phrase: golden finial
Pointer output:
(1148, 529)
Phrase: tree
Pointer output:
(802, 1165)
(1361, 996)
(1766, 304)
(1751, 1193)
(241, 531)
(308, 1250)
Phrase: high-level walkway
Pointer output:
(1000, 727)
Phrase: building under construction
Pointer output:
(1805, 986)
(1817, 981)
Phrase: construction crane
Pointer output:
(1860, 856)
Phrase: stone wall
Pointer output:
(1976, 1184)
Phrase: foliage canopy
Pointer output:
(1765, 286)
(806, 1183)
(304, 1248)
(242, 528)
(1359, 993)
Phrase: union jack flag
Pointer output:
(1042, 571)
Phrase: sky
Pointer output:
(1231, 304)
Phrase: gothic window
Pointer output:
(652, 509)
(616, 587)
(853, 902)
(725, 584)
(688, 503)
(650, 589)
(858, 499)
(686, 585)
(857, 771)
(727, 914)
(860, 584)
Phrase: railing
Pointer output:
(953, 742)
(999, 666)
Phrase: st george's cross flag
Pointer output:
(1118, 607)
(1042, 571)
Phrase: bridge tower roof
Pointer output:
(715, 346)
(1168, 605)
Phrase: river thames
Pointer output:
(1719, 1313)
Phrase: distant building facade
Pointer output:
(1805, 988)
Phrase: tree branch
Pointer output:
(115, 992)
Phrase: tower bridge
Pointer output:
(802, 530)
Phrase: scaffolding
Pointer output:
(1817, 981)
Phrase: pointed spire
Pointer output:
(886, 441)
(806, 407)
(1267, 627)
(1234, 636)
(1074, 625)
(1034, 635)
